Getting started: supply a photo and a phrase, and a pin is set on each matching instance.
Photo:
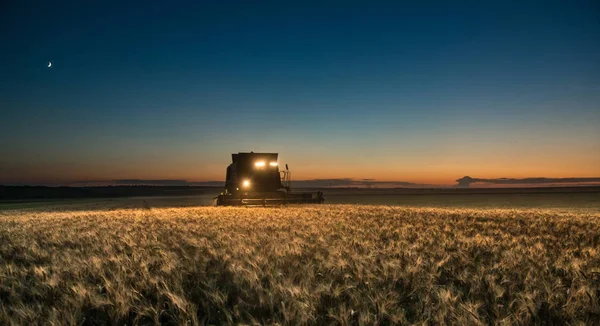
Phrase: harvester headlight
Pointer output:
(246, 183)
(273, 164)
(259, 164)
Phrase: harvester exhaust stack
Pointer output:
(255, 179)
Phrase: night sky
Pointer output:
(425, 93)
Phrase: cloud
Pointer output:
(349, 182)
(311, 183)
(159, 182)
(466, 181)
(146, 182)
(323, 183)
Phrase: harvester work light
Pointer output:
(273, 164)
(246, 184)
(259, 164)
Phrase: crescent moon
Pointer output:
(49, 64)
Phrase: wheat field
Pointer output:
(323, 264)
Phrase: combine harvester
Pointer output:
(254, 179)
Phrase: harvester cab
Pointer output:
(255, 179)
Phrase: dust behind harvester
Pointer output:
(255, 179)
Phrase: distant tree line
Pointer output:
(43, 192)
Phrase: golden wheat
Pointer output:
(326, 264)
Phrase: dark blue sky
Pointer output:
(419, 92)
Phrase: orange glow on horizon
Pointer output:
(425, 167)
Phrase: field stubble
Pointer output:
(326, 264)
